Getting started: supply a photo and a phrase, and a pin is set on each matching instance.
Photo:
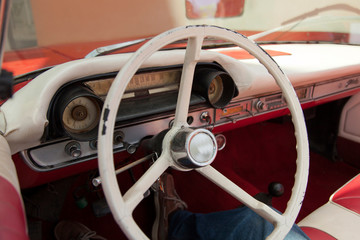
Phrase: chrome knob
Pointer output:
(118, 137)
(220, 141)
(261, 106)
(73, 149)
(205, 117)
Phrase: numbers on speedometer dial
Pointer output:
(81, 115)
(160, 81)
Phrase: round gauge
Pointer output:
(215, 85)
(80, 115)
(215, 90)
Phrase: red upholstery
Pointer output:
(12, 215)
(339, 218)
(314, 233)
(349, 195)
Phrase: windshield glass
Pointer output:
(46, 33)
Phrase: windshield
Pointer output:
(45, 33)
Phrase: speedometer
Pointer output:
(155, 81)
(81, 115)
(216, 85)
(215, 90)
(78, 111)
(152, 80)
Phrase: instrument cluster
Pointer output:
(147, 108)
(77, 107)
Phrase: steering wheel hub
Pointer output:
(193, 148)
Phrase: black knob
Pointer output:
(276, 189)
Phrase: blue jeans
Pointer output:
(239, 223)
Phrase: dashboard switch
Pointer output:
(261, 106)
(205, 117)
(119, 137)
(73, 149)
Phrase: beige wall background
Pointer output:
(51, 22)
(94, 20)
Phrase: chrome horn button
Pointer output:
(193, 148)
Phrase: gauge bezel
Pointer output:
(67, 96)
(93, 119)
(203, 80)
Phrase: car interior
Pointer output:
(230, 115)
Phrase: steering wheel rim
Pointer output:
(122, 206)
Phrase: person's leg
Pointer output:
(240, 223)
(174, 222)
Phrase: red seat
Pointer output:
(339, 218)
(349, 195)
(12, 216)
(12, 213)
(314, 233)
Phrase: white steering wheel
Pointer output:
(182, 143)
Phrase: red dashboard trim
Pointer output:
(242, 54)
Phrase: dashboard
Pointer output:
(147, 108)
(68, 99)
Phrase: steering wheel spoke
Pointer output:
(192, 55)
(234, 190)
(136, 193)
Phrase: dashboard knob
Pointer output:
(261, 106)
(276, 189)
(118, 137)
(73, 149)
(205, 117)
